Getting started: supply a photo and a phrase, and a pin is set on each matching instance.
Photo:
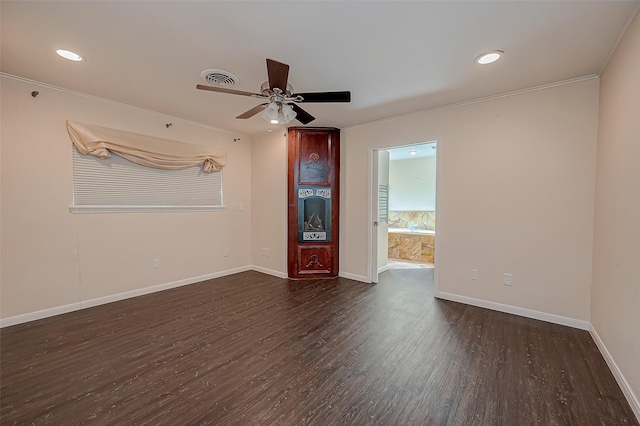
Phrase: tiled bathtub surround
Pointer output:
(413, 220)
(412, 246)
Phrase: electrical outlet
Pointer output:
(475, 275)
(241, 206)
(508, 279)
(265, 252)
(226, 252)
(156, 263)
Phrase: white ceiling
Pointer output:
(395, 57)
(418, 150)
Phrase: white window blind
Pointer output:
(118, 185)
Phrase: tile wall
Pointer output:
(417, 220)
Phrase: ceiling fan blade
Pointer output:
(278, 75)
(229, 91)
(253, 111)
(324, 97)
(302, 116)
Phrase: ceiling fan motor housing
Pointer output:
(266, 90)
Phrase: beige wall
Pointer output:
(269, 192)
(615, 305)
(516, 184)
(500, 212)
(52, 258)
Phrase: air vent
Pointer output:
(219, 78)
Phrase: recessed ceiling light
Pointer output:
(67, 54)
(413, 152)
(489, 57)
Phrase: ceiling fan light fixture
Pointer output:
(270, 113)
(489, 57)
(276, 113)
(288, 113)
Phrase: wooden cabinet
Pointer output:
(314, 198)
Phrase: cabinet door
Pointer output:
(314, 259)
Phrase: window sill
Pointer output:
(143, 209)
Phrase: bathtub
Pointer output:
(416, 245)
(411, 232)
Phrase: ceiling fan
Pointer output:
(282, 101)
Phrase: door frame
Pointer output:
(374, 220)
(372, 198)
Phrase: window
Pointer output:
(118, 185)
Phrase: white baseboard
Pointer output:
(383, 268)
(622, 382)
(270, 272)
(557, 319)
(45, 313)
(285, 275)
(355, 277)
(529, 313)
(58, 310)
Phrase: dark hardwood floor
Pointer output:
(251, 349)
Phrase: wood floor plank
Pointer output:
(252, 349)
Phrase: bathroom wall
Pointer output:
(412, 195)
(412, 184)
(425, 220)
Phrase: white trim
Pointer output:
(45, 313)
(623, 32)
(59, 310)
(269, 271)
(622, 382)
(361, 278)
(523, 312)
(475, 101)
(372, 258)
(143, 209)
(372, 232)
(436, 247)
(119, 104)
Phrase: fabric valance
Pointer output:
(142, 149)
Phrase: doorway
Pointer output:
(405, 178)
